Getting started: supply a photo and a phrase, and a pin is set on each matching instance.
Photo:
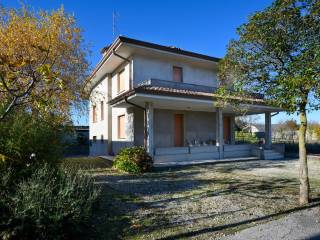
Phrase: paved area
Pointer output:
(304, 224)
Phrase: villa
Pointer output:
(162, 97)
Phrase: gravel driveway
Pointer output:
(204, 201)
(299, 225)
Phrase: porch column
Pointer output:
(232, 130)
(219, 132)
(268, 137)
(149, 122)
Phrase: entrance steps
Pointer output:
(270, 154)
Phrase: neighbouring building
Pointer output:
(162, 97)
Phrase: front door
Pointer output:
(226, 130)
(178, 130)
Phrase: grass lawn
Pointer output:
(199, 202)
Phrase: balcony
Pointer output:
(186, 86)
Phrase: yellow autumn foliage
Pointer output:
(42, 61)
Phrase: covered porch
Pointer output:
(187, 136)
(177, 124)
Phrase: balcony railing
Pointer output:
(178, 85)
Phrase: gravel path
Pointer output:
(304, 224)
(208, 201)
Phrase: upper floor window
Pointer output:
(121, 126)
(177, 74)
(102, 110)
(121, 81)
(94, 113)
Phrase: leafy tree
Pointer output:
(314, 130)
(278, 54)
(317, 132)
(42, 61)
(280, 130)
(292, 126)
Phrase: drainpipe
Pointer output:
(144, 120)
(127, 60)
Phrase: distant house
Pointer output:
(162, 97)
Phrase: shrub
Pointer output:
(246, 137)
(24, 134)
(50, 204)
(133, 160)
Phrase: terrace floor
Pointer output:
(206, 201)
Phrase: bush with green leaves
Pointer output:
(246, 137)
(50, 204)
(133, 160)
(24, 135)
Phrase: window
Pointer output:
(94, 138)
(121, 127)
(102, 139)
(102, 110)
(94, 114)
(121, 81)
(177, 74)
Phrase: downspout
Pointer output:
(127, 60)
(144, 120)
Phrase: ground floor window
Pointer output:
(121, 126)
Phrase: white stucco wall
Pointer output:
(126, 68)
(100, 127)
(140, 69)
(145, 68)
(97, 95)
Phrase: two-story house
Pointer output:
(162, 98)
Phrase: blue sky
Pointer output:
(203, 26)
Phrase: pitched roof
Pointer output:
(171, 49)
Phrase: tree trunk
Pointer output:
(303, 168)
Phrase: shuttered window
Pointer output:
(177, 74)
(121, 81)
(121, 127)
(94, 114)
(102, 110)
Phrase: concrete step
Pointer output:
(186, 157)
(194, 162)
(274, 158)
(272, 155)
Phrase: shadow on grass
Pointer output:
(112, 215)
(121, 191)
(237, 224)
(230, 165)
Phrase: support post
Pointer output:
(219, 132)
(149, 126)
(268, 137)
(232, 130)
